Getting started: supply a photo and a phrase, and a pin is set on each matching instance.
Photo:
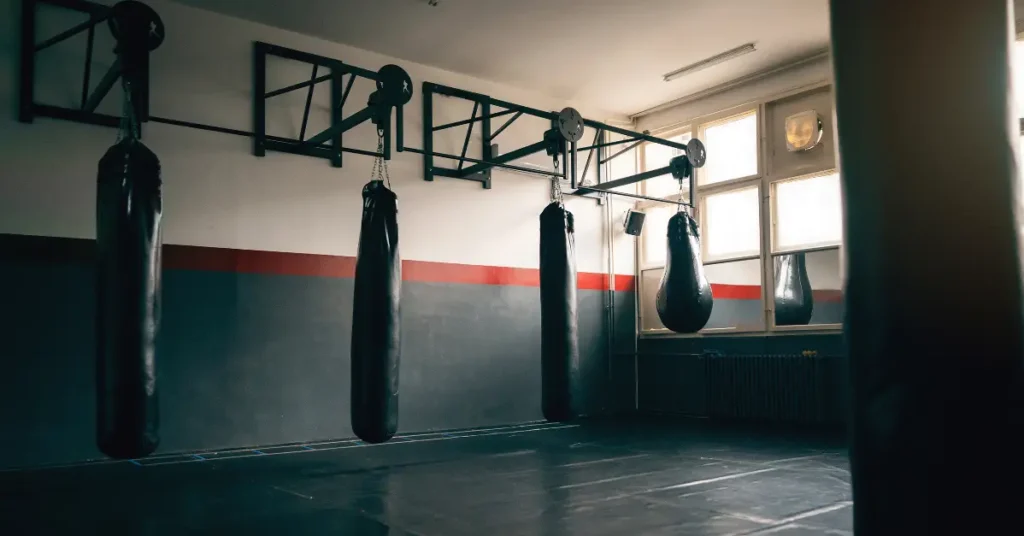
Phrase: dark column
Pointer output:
(927, 133)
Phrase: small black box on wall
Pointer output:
(634, 222)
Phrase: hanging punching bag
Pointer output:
(376, 333)
(560, 355)
(128, 242)
(684, 299)
(794, 300)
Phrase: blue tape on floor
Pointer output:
(198, 457)
(135, 462)
(258, 451)
(305, 447)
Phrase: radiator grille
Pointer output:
(792, 389)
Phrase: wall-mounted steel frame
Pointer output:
(341, 78)
(29, 109)
(484, 111)
(326, 144)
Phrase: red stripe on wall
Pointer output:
(178, 257)
(736, 292)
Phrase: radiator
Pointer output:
(784, 389)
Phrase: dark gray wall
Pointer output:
(250, 359)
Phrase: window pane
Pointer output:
(808, 213)
(656, 234)
(650, 281)
(657, 156)
(732, 224)
(736, 287)
(732, 150)
(825, 304)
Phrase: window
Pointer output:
(658, 156)
(731, 224)
(808, 213)
(732, 149)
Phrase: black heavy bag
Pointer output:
(684, 298)
(376, 322)
(794, 300)
(559, 354)
(128, 242)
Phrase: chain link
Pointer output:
(380, 166)
(129, 125)
(556, 184)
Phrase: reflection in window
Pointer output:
(808, 212)
(732, 224)
(808, 288)
(658, 156)
(736, 287)
(732, 150)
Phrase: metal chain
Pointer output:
(129, 125)
(556, 184)
(380, 166)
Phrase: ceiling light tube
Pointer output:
(708, 62)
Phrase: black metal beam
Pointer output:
(77, 116)
(336, 115)
(590, 155)
(472, 119)
(309, 100)
(347, 124)
(632, 179)
(71, 32)
(104, 87)
(620, 153)
(87, 71)
(514, 155)
(259, 106)
(438, 171)
(469, 134)
(348, 88)
(607, 144)
(469, 95)
(312, 82)
(642, 136)
(28, 61)
(583, 190)
(503, 127)
(77, 5)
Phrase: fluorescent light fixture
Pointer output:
(708, 62)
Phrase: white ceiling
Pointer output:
(608, 54)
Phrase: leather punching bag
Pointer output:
(684, 299)
(376, 322)
(128, 242)
(794, 300)
(560, 355)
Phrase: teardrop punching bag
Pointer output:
(128, 242)
(684, 299)
(794, 299)
(376, 322)
(560, 354)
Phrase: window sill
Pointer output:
(822, 329)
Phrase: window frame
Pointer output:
(764, 179)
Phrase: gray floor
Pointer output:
(541, 479)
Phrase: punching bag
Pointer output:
(684, 299)
(794, 300)
(560, 354)
(376, 323)
(128, 242)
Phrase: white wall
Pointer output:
(217, 194)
